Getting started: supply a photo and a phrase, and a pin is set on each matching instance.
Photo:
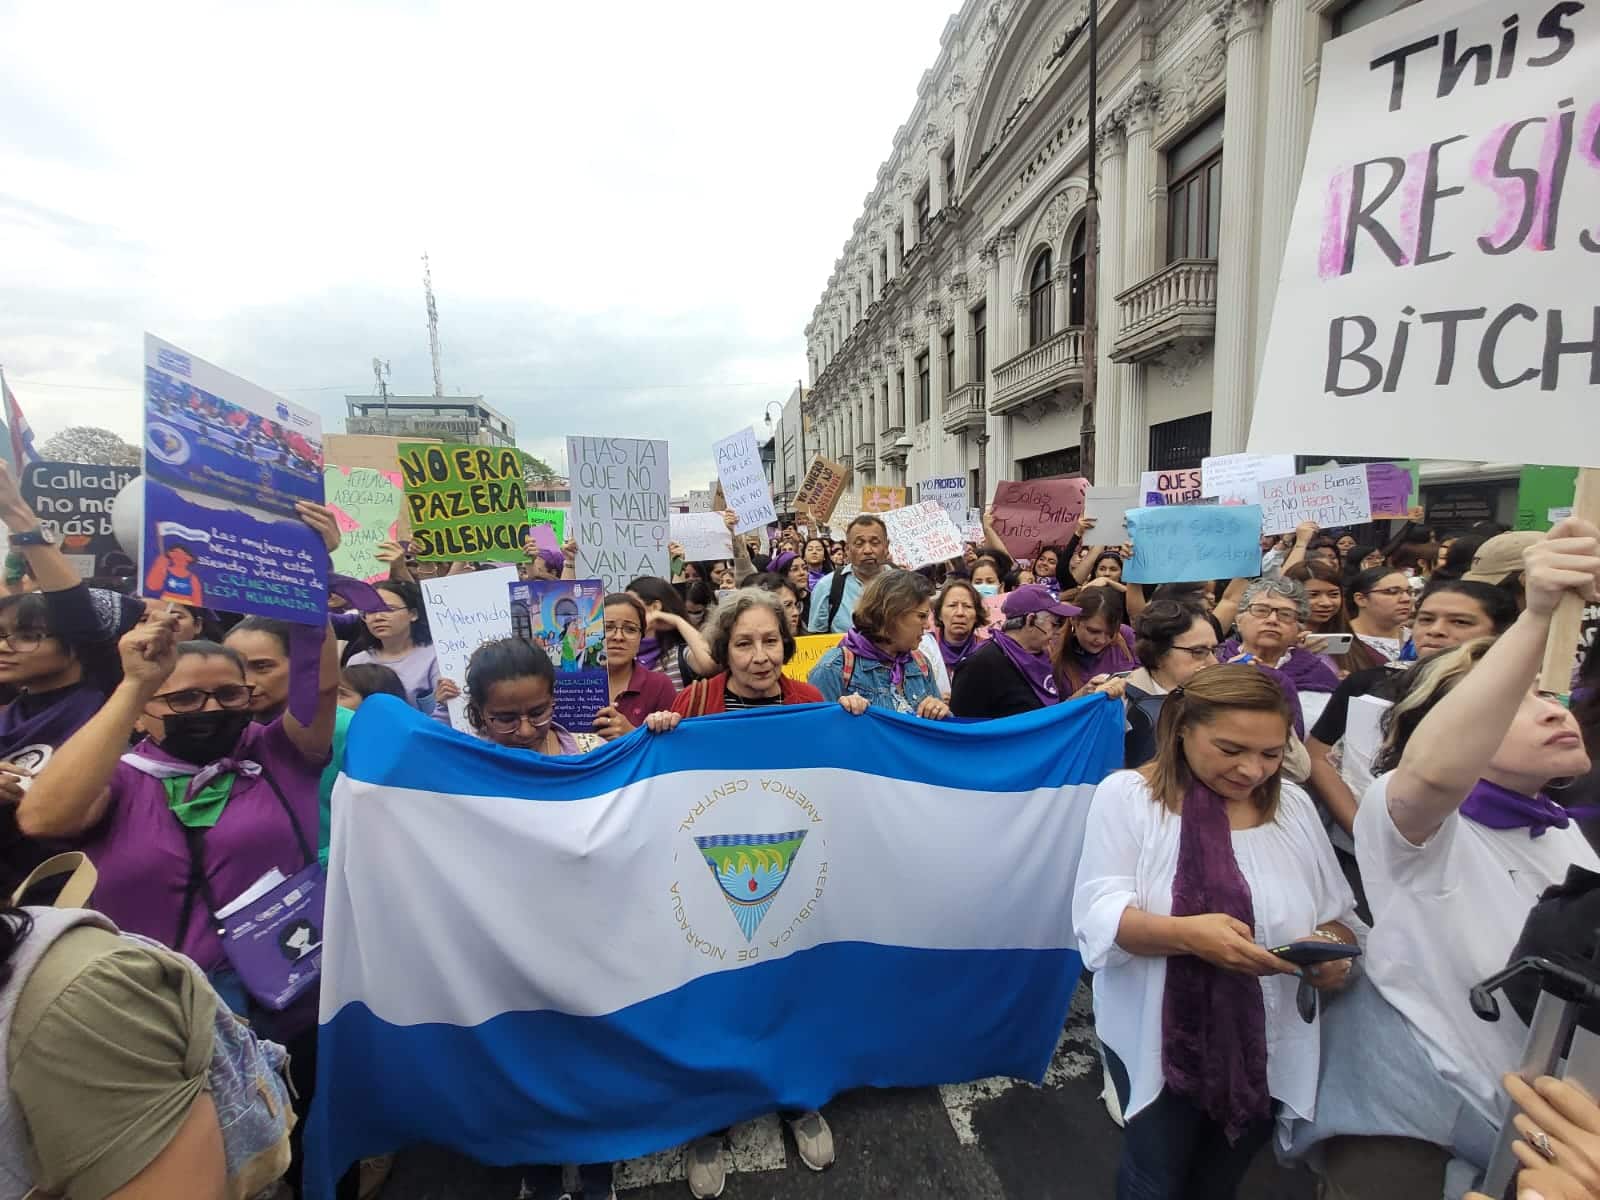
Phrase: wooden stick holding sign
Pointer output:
(1566, 624)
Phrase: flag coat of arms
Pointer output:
(585, 959)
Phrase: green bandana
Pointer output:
(202, 810)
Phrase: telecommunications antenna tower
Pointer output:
(433, 326)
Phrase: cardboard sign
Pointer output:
(700, 500)
(566, 619)
(950, 492)
(1170, 487)
(808, 651)
(1441, 259)
(224, 463)
(1330, 498)
(744, 480)
(1040, 512)
(1392, 488)
(619, 500)
(845, 510)
(876, 499)
(1108, 505)
(374, 451)
(466, 503)
(73, 500)
(553, 519)
(1190, 543)
(922, 534)
(1237, 478)
(465, 611)
(821, 488)
(367, 504)
(703, 536)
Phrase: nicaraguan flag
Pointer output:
(549, 960)
(19, 432)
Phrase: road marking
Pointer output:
(753, 1146)
(1077, 1054)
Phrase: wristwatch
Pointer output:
(39, 535)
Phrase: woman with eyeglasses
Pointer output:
(635, 690)
(1379, 607)
(1175, 641)
(398, 638)
(1271, 614)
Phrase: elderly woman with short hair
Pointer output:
(750, 641)
(878, 662)
(1272, 613)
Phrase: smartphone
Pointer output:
(1311, 951)
(1337, 643)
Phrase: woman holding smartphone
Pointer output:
(1192, 867)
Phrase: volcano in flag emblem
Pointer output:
(750, 868)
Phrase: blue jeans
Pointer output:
(1173, 1151)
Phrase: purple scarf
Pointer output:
(812, 575)
(954, 656)
(1213, 1022)
(48, 719)
(1035, 668)
(1495, 807)
(305, 645)
(858, 643)
(649, 653)
(1307, 671)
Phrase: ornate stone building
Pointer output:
(950, 337)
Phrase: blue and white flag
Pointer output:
(585, 959)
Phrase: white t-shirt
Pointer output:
(1446, 915)
(1130, 857)
(941, 673)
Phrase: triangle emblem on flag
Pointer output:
(750, 868)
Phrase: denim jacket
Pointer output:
(872, 680)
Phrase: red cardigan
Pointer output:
(706, 695)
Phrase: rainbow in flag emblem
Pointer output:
(750, 868)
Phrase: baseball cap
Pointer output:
(1501, 555)
(1035, 598)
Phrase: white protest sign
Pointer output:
(700, 500)
(619, 509)
(1236, 478)
(1109, 507)
(972, 526)
(465, 611)
(1330, 498)
(703, 536)
(950, 492)
(1169, 487)
(846, 510)
(744, 480)
(1427, 272)
(921, 534)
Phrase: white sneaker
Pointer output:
(814, 1140)
(704, 1169)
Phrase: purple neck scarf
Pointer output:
(812, 575)
(954, 656)
(48, 719)
(858, 643)
(1213, 1022)
(1496, 807)
(1307, 671)
(1035, 668)
(649, 653)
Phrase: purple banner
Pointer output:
(1389, 487)
(276, 943)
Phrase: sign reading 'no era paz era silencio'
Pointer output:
(466, 503)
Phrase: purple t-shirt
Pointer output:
(418, 669)
(143, 856)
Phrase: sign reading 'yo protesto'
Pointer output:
(466, 503)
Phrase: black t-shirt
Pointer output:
(989, 686)
(1383, 682)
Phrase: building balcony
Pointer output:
(866, 454)
(846, 460)
(1177, 303)
(1054, 365)
(964, 409)
(893, 454)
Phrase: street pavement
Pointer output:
(991, 1140)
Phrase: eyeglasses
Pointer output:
(1265, 612)
(511, 722)
(1198, 653)
(22, 641)
(1390, 592)
(188, 700)
(622, 629)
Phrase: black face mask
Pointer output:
(203, 737)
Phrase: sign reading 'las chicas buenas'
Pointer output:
(74, 501)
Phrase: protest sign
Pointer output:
(1392, 488)
(951, 493)
(1541, 490)
(922, 534)
(1107, 505)
(1331, 498)
(744, 480)
(703, 536)
(366, 503)
(1426, 272)
(846, 509)
(224, 464)
(465, 611)
(466, 503)
(880, 499)
(553, 519)
(1170, 487)
(1039, 512)
(1189, 543)
(808, 651)
(619, 497)
(821, 488)
(700, 500)
(1237, 478)
(73, 500)
(972, 526)
(370, 450)
(566, 619)
(994, 612)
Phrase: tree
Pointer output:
(89, 444)
(534, 469)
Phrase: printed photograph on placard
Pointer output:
(566, 619)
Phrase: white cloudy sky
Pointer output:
(631, 208)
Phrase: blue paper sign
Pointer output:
(1186, 543)
(565, 618)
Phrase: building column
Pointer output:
(1109, 281)
(936, 196)
(908, 208)
(1233, 382)
(1000, 314)
(962, 316)
(936, 389)
(1284, 152)
(891, 260)
(874, 274)
(897, 393)
(1139, 263)
(1060, 293)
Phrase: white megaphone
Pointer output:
(127, 515)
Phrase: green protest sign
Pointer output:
(466, 503)
(1540, 489)
(555, 518)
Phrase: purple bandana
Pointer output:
(858, 643)
(812, 575)
(1495, 807)
(649, 653)
(48, 719)
(954, 656)
(1035, 668)
(1307, 671)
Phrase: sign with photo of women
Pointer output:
(565, 618)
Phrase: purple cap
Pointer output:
(782, 563)
(1035, 598)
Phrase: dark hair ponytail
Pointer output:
(15, 924)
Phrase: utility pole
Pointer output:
(380, 372)
(1091, 270)
(433, 327)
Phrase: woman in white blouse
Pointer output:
(1192, 866)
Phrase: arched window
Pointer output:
(1077, 264)
(1041, 314)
